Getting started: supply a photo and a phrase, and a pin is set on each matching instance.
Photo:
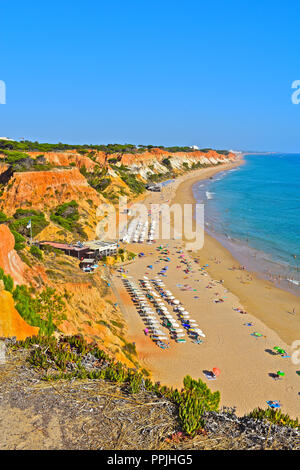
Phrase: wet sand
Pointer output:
(245, 361)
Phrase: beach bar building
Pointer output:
(77, 251)
(90, 250)
(101, 248)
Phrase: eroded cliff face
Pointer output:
(89, 306)
(139, 163)
(10, 261)
(91, 312)
(151, 162)
(68, 158)
(44, 190)
(11, 323)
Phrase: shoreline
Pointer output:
(260, 296)
(263, 263)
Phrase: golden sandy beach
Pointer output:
(245, 361)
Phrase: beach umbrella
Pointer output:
(216, 371)
(280, 373)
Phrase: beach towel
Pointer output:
(273, 404)
(209, 376)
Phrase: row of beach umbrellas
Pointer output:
(184, 316)
(168, 320)
(138, 231)
(147, 313)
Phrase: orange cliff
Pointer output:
(94, 157)
(10, 262)
(11, 323)
(47, 189)
(67, 158)
(158, 155)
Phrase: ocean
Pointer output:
(254, 210)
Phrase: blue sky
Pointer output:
(215, 74)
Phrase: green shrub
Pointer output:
(134, 184)
(7, 281)
(167, 163)
(3, 217)
(275, 416)
(195, 399)
(67, 216)
(35, 251)
(41, 310)
(23, 216)
(20, 241)
(14, 156)
(129, 348)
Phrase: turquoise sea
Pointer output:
(255, 211)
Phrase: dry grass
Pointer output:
(94, 414)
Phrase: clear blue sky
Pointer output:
(215, 74)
